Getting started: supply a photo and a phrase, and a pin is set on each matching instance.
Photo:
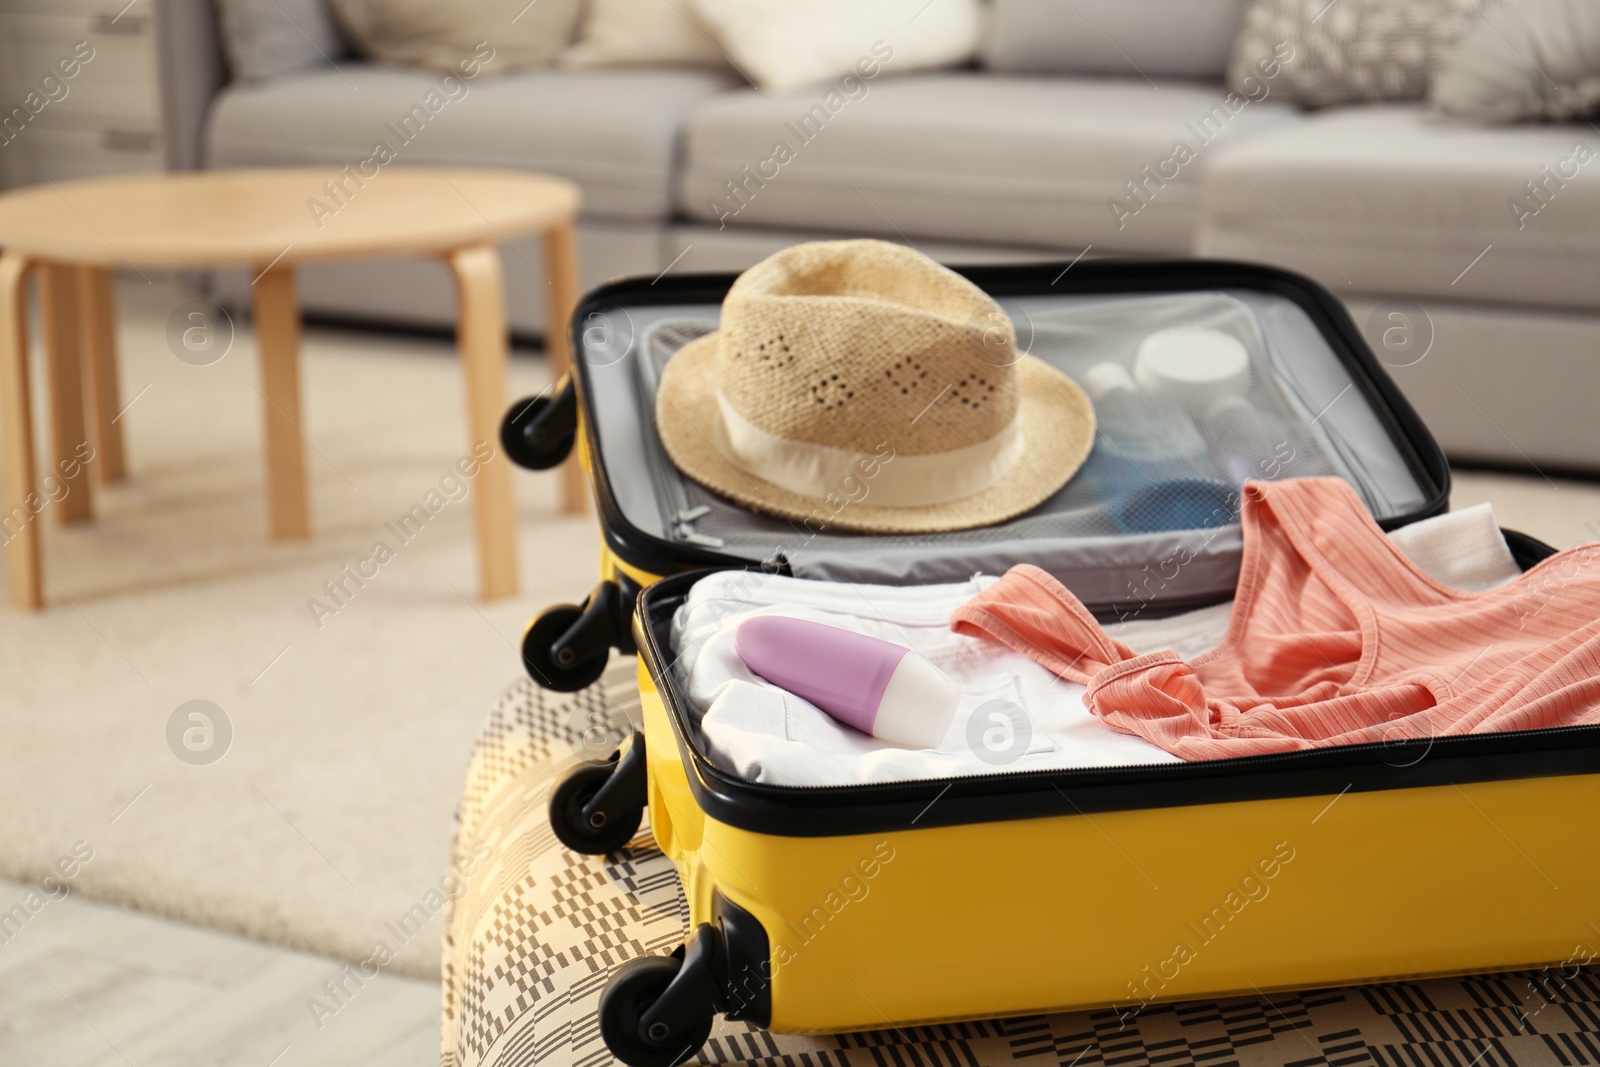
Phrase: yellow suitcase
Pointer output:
(840, 908)
(861, 907)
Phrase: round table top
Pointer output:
(270, 215)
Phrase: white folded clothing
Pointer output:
(1463, 549)
(766, 734)
(1014, 715)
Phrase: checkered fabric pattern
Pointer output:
(1350, 51)
(532, 941)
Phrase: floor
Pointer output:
(1559, 512)
(90, 985)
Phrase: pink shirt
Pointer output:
(1336, 639)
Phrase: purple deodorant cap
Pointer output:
(876, 686)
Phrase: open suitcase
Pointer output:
(853, 907)
(1351, 421)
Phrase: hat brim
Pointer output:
(1057, 425)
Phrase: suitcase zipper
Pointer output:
(672, 499)
(1133, 773)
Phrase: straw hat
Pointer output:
(860, 385)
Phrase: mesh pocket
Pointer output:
(1161, 462)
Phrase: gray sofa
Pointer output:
(1060, 139)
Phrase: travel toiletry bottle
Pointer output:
(1194, 367)
(1247, 442)
(1150, 466)
(876, 686)
(1139, 440)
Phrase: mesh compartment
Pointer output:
(1161, 481)
(1128, 485)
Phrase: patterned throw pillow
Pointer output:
(1349, 51)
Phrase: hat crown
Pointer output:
(852, 344)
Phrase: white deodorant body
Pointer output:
(918, 705)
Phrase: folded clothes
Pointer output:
(1014, 715)
(1462, 549)
(767, 734)
(1337, 638)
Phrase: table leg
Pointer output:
(561, 264)
(69, 434)
(277, 321)
(481, 335)
(22, 502)
(98, 320)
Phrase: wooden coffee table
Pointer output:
(73, 235)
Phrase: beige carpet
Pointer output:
(329, 817)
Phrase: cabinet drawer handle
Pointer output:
(127, 140)
(120, 25)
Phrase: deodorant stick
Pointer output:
(876, 686)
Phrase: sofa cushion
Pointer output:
(454, 37)
(1135, 38)
(639, 33)
(1057, 162)
(266, 38)
(614, 132)
(1382, 200)
(1534, 60)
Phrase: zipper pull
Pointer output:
(686, 534)
(684, 527)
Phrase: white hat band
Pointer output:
(890, 479)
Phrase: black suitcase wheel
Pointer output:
(636, 986)
(600, 832)
(565, 671)
(538, 432)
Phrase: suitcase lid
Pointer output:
(1318, 402)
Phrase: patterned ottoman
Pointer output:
(535, 932)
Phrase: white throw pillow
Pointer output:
(463, 37)
(1538, 59)
(625, 33)
(780, 44)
